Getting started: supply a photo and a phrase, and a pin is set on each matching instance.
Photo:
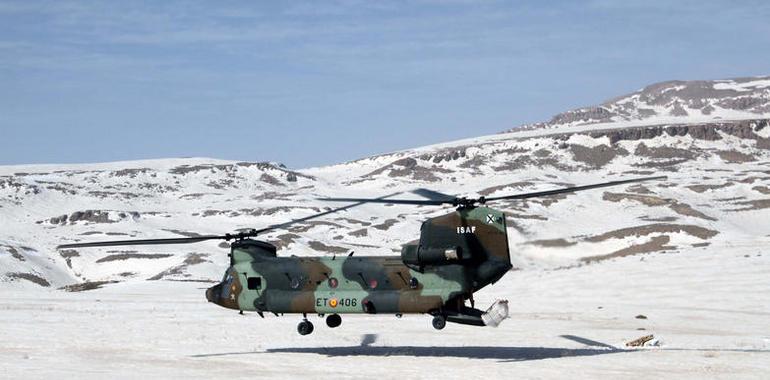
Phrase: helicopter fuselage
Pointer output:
(457, 254)
(366, 284)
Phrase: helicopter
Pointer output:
(456, 255)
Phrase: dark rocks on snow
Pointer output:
(68, 254)
(597, 156)
(267, 178)
(31, 277)
(132, 173)
(359, 233)
(678, 110)
(14, 252)
(318, 246)
(409, 167)
(444, 155)
(595, 114)
(733, 156)
(93, 216)
(656, 228)
(284, 240)
(663, 152)
(384, 226)
(88, 285)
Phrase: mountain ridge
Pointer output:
(674, 101)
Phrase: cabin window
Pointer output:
(254, 282)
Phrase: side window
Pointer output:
(254, 283)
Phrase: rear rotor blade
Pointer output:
(300, 220)
(572, 189)
(434, 195)
(114, 243)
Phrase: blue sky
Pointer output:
(319, 82)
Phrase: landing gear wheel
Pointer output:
(305, 327)
(439, 322)
(333, 320)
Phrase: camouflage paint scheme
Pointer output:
(456, 255)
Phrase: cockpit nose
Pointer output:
(212, 293)
(225, 293)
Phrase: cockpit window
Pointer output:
(227, 285)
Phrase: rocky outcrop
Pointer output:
(583, 115)
(678, 99)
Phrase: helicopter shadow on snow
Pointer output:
(501, 353)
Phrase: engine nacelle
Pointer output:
(418, 256)
(248, 250)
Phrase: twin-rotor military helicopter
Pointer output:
(456, 255)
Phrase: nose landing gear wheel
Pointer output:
(305, 327)
(333, 320)
(439, 322)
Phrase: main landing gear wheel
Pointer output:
(333, 320)
(305, 327)
(439, 322)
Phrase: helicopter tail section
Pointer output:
(468, 234)
(474, 237)
(490, 230)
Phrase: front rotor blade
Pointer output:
(573, 189)
(114, 243)
(197, 239)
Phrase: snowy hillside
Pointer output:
(717, 193)
(677, 102)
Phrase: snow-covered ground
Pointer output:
(708, 308)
